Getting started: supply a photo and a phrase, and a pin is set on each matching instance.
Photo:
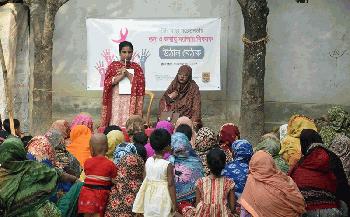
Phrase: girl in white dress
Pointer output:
(157, 195)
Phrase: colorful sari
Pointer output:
(188, 167)
(290, 145)
(189, 122)
(25, 186)
(39, 149)
(123, 150)
(64, 160)
(205, 140)
(127, 184)
(238, 168)
(227, 135)
(188, 101)
(136, 97)
(168, 126)
(268, 191)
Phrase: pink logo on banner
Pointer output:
(122, 36)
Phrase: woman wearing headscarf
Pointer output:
(183, 96)
(83, 119)
(337, 122)
(41, 150)
(187, 168)
(114, 138)
(134, 124)
(189, 122)
(272, 146)
(320, 177)
(268, 191)
(25, 186)
(79, 147)
(122, 150)
(290, 145)
(341, 147)
(64, 160)
(127, 183)
(227, 135)
(116, 108)
(168, 126)
(238, 168)
(205, 141)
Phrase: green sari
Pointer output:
(273, 147)
(25, 186)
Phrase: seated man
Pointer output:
(183, 96)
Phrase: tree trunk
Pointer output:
(42, 24)
(255, 14)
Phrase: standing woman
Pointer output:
(117, 108)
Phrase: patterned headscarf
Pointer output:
(62, 126)
(40, 149)
(186, 120)
(122, 150)
(205, 140)
(338, 122)
(227, 135)
(239, 167)
(341, 147)
(290, 145)
(187, 165)
(165, 125)
(114, 138)
(134, 125)
(83, 119)
(273, 147)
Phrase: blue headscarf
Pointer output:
(122, 150)
(238, 168)
(187, 165)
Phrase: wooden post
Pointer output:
(8, 91)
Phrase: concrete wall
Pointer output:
(307, 62)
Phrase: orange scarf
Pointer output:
(268, 191)
(79, 146)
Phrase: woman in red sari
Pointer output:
(117, 108)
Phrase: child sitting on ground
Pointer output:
(99, 173)
(214, 184)
(157, 195)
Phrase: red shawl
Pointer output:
(137, 91)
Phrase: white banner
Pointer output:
(161, 46)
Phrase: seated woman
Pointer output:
(29, 181)
(320, 176)
(183, 96)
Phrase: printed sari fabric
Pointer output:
(205, 141)
(187, 165)
(136, 97)
(40, 149)
(123, 150)
(341, 147)
(127, 184)
(338, 122)
(238, 168)
(64, 160)
(83, 119)
(25, 186)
